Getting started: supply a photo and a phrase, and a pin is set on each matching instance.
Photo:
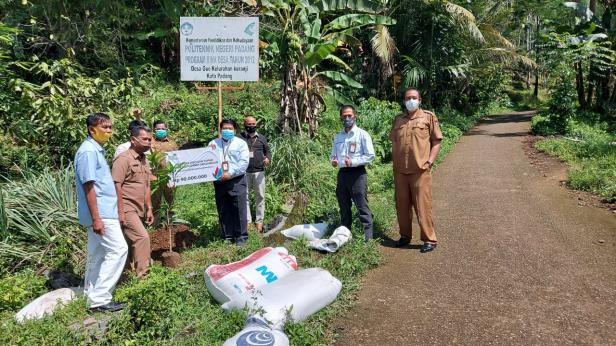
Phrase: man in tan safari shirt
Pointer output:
(163, 144)
(416, 139)
(131, 175)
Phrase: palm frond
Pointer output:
(465, 18)
(494, 37)
(383, 44)
(413, 73)
(507, 57)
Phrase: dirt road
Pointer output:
(519, 260)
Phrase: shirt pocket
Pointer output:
(139, 173)
(421, 130)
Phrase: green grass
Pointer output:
(524, 99)
(587, 149)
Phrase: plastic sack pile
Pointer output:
(315, 231)
(268, 284)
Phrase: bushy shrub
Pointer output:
(376, 117)
(153, 305)
(19, 289)
(543, 125)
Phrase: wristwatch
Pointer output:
(429, 163)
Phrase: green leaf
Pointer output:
(341, 78)
(356, 20)
(319, 53)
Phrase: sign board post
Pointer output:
(219, 49)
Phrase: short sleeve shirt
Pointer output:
(91, 166)
(411, 139)
(132, 171)
(164, 146)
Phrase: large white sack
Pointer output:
(301, 293)
(262, 267)
(257, 332)
(310, 231)
(340, 237)
(47, 303)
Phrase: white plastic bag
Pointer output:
(340, 237)
(310, 231)
(300, 294)
(47, 303)
(262, 267)
(258, 332)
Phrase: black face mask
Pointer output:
(250, 129)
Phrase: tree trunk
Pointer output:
(536, 91)
(579, 83)
(592, 6)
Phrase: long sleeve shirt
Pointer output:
(258, 146)
(234, 152)
(355, 145)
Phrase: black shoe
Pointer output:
(427, 247)
(402, 242)
(109, 307)
(240, 242)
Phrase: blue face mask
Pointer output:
(160, 133)
(227, 134)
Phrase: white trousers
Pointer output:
(256, 183)
(106, 259)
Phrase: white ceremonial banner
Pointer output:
(196, 165)
(219, 48)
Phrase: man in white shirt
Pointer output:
(231, 189)
(352, 150)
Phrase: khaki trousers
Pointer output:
(138, 241)
(415, 191)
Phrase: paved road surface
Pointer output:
(519, 261)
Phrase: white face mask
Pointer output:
(411, 105)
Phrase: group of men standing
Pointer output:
(114, 204)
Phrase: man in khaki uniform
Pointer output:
(416, 139)
(131, 175)
(163, 144)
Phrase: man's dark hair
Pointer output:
(228, 121)
(136, 130)
(158, 122)
(345, 107)
(136, 123)
(96, 118)
(411, 89)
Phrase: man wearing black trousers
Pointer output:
(352, 150)
(231, 191)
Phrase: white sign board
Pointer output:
(196, 165)
(219, 48)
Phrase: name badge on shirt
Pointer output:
(225, 166)
(251, 154)
(352, 147)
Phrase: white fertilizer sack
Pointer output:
(299, 294)
(47, 303)
(262, 267)
(257, 332)
(340, 237)
(310, 231)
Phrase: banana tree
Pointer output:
(307, 46)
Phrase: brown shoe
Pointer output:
(259, 227)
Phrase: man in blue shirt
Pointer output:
(352, 150)
(98, 212)
(231, 190)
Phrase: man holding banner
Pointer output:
(230, 188)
